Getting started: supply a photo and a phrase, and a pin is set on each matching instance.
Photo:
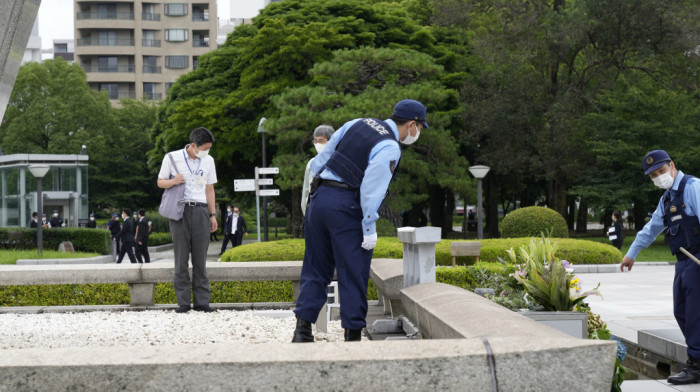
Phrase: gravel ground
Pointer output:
(150, 328)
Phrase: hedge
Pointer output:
(155, 239)
(533, 222)
(572, 250)
(84, 240)
(221, 292)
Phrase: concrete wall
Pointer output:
(16, 22)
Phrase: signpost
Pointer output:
(249, 185)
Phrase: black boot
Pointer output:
(353, 335)
(302, 333)
(689, 375)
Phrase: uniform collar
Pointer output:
(393, 127)
(677, 181)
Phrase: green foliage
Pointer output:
(11, 256)
(534, 221)
(159, 224)
(84, 240)
(155, 239)
(575, 251)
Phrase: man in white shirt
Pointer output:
(191, 233)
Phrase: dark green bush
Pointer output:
(156, 239)
(159, 224)
(84, 240)
(574, 251)
(534, 222)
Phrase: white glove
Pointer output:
(370, 241)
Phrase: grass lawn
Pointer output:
(11, 256)
(657, 251)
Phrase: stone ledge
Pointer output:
(389, 365)
(85, 260)
(668, 343)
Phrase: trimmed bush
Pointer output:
(155, 239)
(84, 240)
(159, 224)
(534, 222)
(572, 250)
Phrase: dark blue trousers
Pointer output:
(333, 233)
(686, 303)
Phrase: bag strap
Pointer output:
(173, 162)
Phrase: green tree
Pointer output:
(368, 82)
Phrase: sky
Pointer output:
(56, 17)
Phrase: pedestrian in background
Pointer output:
(126, 235)
(56, 220)
(195, 168)
(114, 228)
(322, 134)
(35, 221)
(676, 215)
(615, 234)
(91, 224)
(352, 175)
(143, 230)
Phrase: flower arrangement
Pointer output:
(547, 280)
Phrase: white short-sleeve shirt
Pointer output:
(198, 172)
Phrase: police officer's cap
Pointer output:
(114, 215)
(55, 211)
(412, 110)
(92, 214)
(654, 160)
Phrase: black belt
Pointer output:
(195, 204)
(337, 184)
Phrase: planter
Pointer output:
(572, 323)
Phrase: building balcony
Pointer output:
(152, 96)
(200, 43)
(200, 17)
(151, 42)
(146, 16)
(109, 68)
(152, 69)
(105, 15)
(120, 94)
(106, 42)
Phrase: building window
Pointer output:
(60, 48)
(150, 64)
(177, 62)
(107, 64)
(106, 11)
(176, 9)
(195, 62)
(112, 90)
(149, 38)
(149, 91)
(176, 35)
(168, 85)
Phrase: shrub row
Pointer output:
(84, 240)
(221, 292)
(574, 251)
(155, 239)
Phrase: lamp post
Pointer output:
(479, 172)
(39, 171)
(262, 132)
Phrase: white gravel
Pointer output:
(150, 328)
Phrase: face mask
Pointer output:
(319, 147)
(408, 140)
(235, 215)
(92, 219)
(55, 215)
(664, 181)
(202, 154)
(228, 209)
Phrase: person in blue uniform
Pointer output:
(351, 177)
(677, 213)
(114, 228)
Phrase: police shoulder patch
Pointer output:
(673, 209)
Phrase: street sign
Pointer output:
(243, 185)
(269, 192)
(265, 181)
(269, 170)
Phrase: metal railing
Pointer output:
(120, 94)
(109, 68)
(105, 42)
(200, 43)
(152, 95)
(105, 15)
(151, 42)
(151, 69)
(200, 17)
(150, 16)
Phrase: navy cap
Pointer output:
(43, 214)
(114, 214)
(412, 110)
(92, 214)
(654, 160)
(55, 211)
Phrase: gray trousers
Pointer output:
(191, 237)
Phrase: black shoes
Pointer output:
(302, 333)
(689, 375)
(353, 335)
(204, 308)
(182, 309)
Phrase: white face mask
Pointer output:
(235, 214)
(92, 219)
(664, 181)
(202, 154)
(319, 147)
(408, 140)
(55, 215)
(228, 209)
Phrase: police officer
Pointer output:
(351, 177)
(92, 223)
(677, 213)
(56, 221)
(114, 228)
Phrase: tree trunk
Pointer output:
(571, 216)
(640, 215)
(582, 221)
(447, 226)
(297, 218)
(437, 207)
(556, 196)
(491, 198)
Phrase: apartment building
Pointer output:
(137, 49)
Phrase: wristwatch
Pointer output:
(212, 214)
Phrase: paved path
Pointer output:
(636, 300)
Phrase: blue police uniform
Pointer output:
(361, 156)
